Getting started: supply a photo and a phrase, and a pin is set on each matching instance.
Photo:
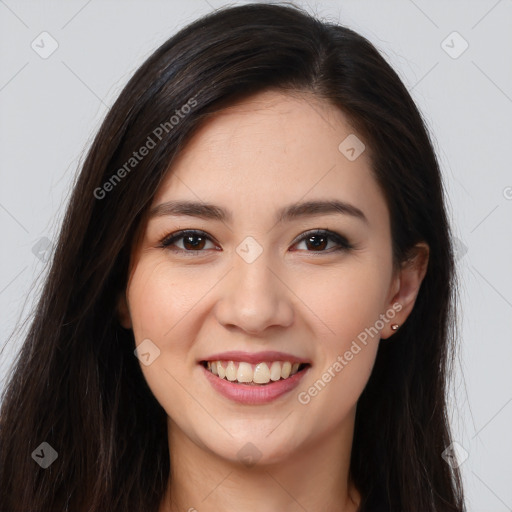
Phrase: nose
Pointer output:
(254, 297)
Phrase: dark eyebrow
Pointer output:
(288, 213)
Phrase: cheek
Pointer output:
(168, 305)
(346, 300)
(160, 298)
(161, 301)
(348, 303)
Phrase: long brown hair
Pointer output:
(76, 383)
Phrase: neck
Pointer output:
(315, 477)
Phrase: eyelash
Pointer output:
(343, 244)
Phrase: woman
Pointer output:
(251, 301)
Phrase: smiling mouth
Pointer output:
(260, 374)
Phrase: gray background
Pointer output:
(52, 107)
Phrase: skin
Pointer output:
(253, 158)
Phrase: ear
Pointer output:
(123, 311)
(406, 285)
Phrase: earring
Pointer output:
(394, 327)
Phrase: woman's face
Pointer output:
(259, 282)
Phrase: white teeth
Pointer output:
(244, 373)
(231, 371)
(286, 369)
(275, 371)
(261, 373)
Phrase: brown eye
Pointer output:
(317, 241)
(192, 241)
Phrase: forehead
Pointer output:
(270, 149)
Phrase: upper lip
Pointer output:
(255, 357)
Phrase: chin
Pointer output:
(256, 450)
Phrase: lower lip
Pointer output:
(253, 395)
